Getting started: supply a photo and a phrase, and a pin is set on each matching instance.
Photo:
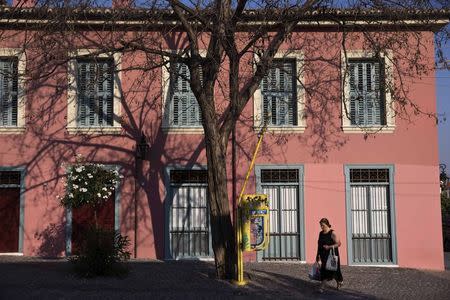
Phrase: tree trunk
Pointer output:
(223, 240)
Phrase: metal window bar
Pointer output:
(284, 243)
(189, 232)
(10, 178)
(370, 213)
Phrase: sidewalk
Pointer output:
(31, 278)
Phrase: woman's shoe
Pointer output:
(339, 284)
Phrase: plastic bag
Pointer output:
(314, 273)
(332, 261)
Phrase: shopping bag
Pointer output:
(332, 261)
(314, 273)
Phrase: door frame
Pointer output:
(116, 214)
(348, 213)
(167, 216)
(22, 170)
(300, 195)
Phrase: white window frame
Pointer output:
(21, 96)
(72, 126)
(386, 59)
(298, 56)
(165, 83)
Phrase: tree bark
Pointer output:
(223, 240)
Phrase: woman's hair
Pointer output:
(325, 221)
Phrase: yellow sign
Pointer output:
(254, 211)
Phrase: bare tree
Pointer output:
(237, 40)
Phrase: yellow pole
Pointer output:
(240, 262)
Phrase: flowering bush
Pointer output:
(89, 184)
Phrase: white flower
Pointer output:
(85, 183)
(99, 195)
(120, 176)
(89, 175)
(75, 186)
(84, 190)
(104, 189)
(70, 195)
(79, 169)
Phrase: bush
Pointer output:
(103, 253)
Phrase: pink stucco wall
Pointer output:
(323, 149)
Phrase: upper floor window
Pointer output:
(94, 96)
(12, 95)
(278, 91)
(279, 99)
(184, 108)
(181, 112)
(8, 92)
(95, 92)
(367, 103)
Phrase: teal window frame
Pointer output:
(348, 205)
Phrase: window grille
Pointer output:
(9, 178)
(279, 175)
(188, 176)
(8, 91)
(370, 216)
(369, 175)
(95, 83)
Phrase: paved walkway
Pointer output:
(30, 278)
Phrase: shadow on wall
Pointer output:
(52, 241)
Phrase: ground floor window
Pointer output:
(282, 185)
(10, 208)
(188, 213)
(370, 214)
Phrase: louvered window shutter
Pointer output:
(366, 101)
(278, 91)
(95, 83)
(184, 108)
(8, 92)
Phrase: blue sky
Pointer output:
(443, 109)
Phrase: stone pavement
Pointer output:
(32, 278)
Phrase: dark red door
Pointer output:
(9, 219)
(83, 218)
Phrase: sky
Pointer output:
(443, 110)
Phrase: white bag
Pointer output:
(332, 261)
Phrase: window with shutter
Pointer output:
(8, 92)
(95, 86)
(278, 91)
(184, 108)
(367, 103)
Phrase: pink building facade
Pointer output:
(373, 174)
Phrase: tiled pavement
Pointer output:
(27, 278)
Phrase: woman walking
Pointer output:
(328, 239)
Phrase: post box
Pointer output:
(254, 213)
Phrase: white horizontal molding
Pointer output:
(183, 130)
(94, 130)
(372, 129)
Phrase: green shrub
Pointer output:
(103, 253)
